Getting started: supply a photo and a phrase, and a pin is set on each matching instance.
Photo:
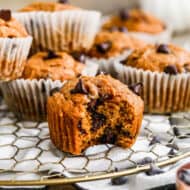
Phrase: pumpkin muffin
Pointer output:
(56, 66)
(14, 44)
(164, 71)
(109, 44)
(137, 21)
(94, 110)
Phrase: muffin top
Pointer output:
(56, 66)
(9, 27)
(161, 58)
(109, 44)
(48, 6)
(136, 20)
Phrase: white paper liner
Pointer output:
(163, 37)
(162, 93)
(60, 31)
(13, 55)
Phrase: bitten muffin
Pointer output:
(48, 6)
(110, 44)
(50, 65)
(137, 21)
(94, 110)
(14, 45)
(160, 58)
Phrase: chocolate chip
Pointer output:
(124, 14)
(176, 131)
(82, 131)
(146, 160)
(137, 88)
(123, 29)
(154, 170)
(5, 15)
(172, 153)
(108, 137)
(79, 57)
(54, 90)
(163, 48)
(104, 47)
(63, 1)
(184, 175)
(171, 69)
(51, 55)
(154, 140)
(79, 88)
(98, 120)
(119, 180)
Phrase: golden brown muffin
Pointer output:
(137, 21)
(56, 66)
(161, 58)
(110, 44)
(48, 6)
(9, 27)
(94, 110)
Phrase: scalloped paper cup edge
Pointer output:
(61, 31)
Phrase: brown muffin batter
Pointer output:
(57, 66)
(47, 6)
(161, 58)
(94, 110)
(9, 27)
(137, 21)
(109, 44)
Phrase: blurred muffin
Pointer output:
(100, 110)
(14, 45)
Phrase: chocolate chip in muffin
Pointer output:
(82, 131)
(51, 55)
(79, 88)
(79, 56)
(171, 69)
(124, 14)
(137, 88)
(123, 29)
(5, 15)
(108, 137)
(98, 120)
(63, 1)
(163, 48)
(104, 47)
(54, 90)
(184, 175)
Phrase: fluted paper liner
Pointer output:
(61, 30)
(162, 93)
(13, 55)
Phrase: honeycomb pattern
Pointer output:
(26, 151)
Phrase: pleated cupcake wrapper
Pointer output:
(28, 98)
(62, 30)
(162, 37)
(162, 93)
(13, 55)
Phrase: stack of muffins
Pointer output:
(47, 82)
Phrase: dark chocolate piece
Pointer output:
(163, 48)
(137, 88)
(79, 57)
(104, 47)
(82, 131)
(98, 120)
(79, 88)
(5, 14)
(123, 29)
(108, 137)
(171, 69)
(124, 14)
(51, 55)
(63, 1)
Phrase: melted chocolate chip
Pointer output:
(176, 131)
(171, 69)
(79, 57)
(124, 14)
(154, 140)
(98, 120)
(63, 1)
(146, 160)
(82, 131)
(154, 170)
(5, 15)
(163, 48)
(54, 90)
(108, 137)
(104, 47)
(51, 55)
(184, 175)
(136, 88)
(123, 29)
(119, 180)
(79, 88)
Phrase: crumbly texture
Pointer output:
(47, 6)
(119, 43)
(148, 58)
(94, 110)
(60, 67)
(12, 29)
(138, 21)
